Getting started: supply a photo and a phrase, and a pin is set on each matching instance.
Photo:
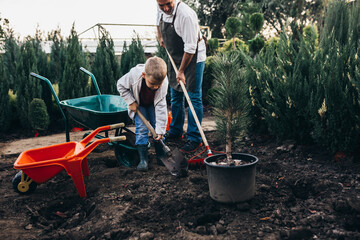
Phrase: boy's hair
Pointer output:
(156, 68)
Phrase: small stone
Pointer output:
(295, 209)
(272, 236)
(107, 235)
(146, 236)
(200, 229)
(213, 230)
(220, 228)
(28, 227)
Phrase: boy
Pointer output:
(144, 87)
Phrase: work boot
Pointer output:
(190, 146)
(143, 155)
(169, 137)
(160, 153)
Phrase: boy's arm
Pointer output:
(124, 88)
(161, 111)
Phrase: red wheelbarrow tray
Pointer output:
(42, 164)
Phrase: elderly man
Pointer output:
(179, 32)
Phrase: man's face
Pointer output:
(167, 6)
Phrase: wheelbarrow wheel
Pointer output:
(126, 152)
(22, 184)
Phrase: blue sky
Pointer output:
(26, 15)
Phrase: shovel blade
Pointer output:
(176, 163)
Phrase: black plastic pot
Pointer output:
(231, 184)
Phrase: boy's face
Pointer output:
(151, 82)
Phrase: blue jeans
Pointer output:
(141, 130)
(178, 108)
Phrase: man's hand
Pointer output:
(161, 42)
(158, 137)
(181, 77)
(133, 107)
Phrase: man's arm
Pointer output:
(159, 36)
(184, 64)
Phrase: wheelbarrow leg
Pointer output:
(85, 167)
(74, 170)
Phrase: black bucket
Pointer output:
(231, 184)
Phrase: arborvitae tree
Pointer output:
(74, 83)
(105, 67)
(124, 61)
(161, 53)
(28, 87)
(42, 67)
(6, 113)
(11, 57)
(132, 56)
(57, 56)
(229, 98)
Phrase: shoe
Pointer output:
(169, 136)
(190, 146)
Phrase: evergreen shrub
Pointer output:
(213, 45)
(279, 83)
(335, 100)
(38, 115)
(240, 45)
(208, 79)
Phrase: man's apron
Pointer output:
(175, 46)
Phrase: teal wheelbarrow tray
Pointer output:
(96, 111)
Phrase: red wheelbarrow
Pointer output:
(41, 164)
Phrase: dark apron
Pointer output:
(175, 46)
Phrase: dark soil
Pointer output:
(302, 193)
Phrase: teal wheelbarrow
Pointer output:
(96, 111)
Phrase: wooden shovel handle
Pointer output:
(152, 130)
(189, 103)
(147, 123)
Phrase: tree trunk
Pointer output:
(229, 159)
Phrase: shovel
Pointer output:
(174, 160)
(207, 147)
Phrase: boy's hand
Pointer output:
(158, 137)
(133, 107)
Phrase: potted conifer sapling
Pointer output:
(231, 176)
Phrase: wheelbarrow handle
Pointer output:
(190, 105)
(93, 79)
(117, 139)
(117, 125)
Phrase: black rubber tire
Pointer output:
(127, 157)
(17, 179)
